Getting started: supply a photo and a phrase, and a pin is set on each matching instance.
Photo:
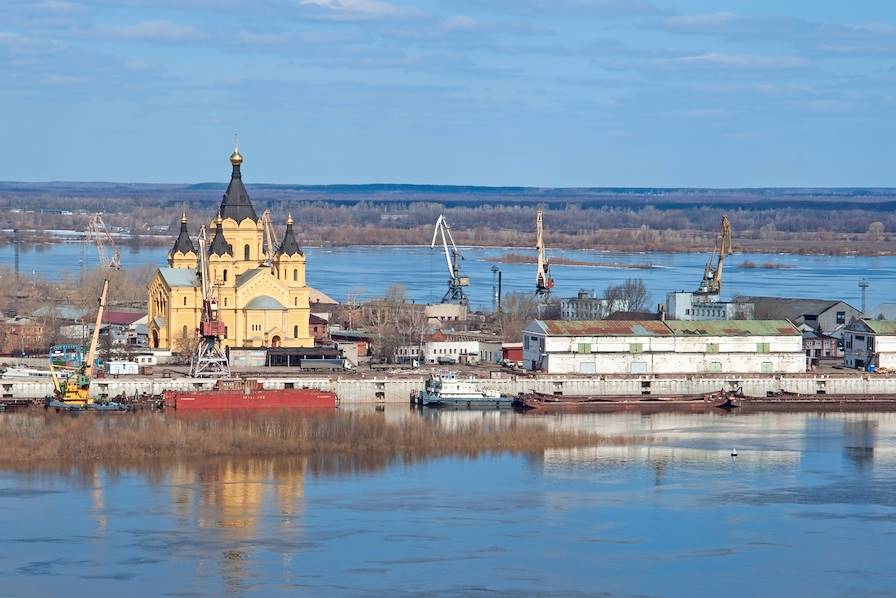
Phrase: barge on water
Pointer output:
(445, 390)
(536, 401)
(248, 394)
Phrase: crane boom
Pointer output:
(711, 285)
(543, 282)
(456, 281)
(97, 230)
(209, 359)
(270, 238)
(94, 340)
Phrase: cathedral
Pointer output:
(263, 301)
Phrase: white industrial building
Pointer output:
(870, 342)
(683, 305)
(453, 347)
(657, 347)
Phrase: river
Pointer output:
(423, 271)
(808, 507)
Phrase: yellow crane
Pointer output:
(70, 372)
(711, 285)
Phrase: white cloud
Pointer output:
(355, 10)
(735, 61)
(54, 79)
(461, 23)
(152, 30)
(567, 8)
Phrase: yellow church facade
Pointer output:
(262, 299)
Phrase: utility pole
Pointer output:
(495, 299)
(15, 243)
(863, 285)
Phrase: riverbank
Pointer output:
(36, 439)
(611, 239)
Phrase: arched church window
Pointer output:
(225, 274)
(295, 332)
(225, 301)
(185, 301)
(185, 332)
(246, 253)
(295, 301)
(295, 274)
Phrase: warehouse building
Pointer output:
(655, 347)
(826, 316)
(870, 343)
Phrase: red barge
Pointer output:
(248, 394)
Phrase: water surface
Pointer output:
(371, 270)
(807, 508)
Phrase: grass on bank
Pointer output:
(46, 438)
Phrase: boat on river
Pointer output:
(536, 401)
(447, 390)
(241, 394)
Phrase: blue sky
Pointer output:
(708, 93)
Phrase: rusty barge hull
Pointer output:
(299, 398)
(543, 402)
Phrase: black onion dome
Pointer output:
(183, 244)
(236, 203)
(289, 245)
(219, 245)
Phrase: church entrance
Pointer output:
(275, 341)
(155, 339)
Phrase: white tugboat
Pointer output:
(446, 389)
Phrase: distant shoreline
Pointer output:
(400, 238)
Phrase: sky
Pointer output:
(551, 93)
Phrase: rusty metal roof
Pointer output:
(733, 328)
(605, 328)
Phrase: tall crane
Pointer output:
(96, 230)
(270, 238)
(456, 281)
(543, 282)
(711, 285)
(209, 359)
(70, 370)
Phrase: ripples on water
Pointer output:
(807, 508)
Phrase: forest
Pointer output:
(832, 221)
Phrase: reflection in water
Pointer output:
(804, 487)
(229, 497)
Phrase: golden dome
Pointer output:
(289, 219)
(236, 158)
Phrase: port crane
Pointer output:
(99, 233)
(543, 282)
(711, 285)
(456, 281)
(71, 371)
(270, 238)
(209, 359)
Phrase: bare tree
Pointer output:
(631, 295)
(185, 345)
(517, 310)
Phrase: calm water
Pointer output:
(372, 270)
(807, 508)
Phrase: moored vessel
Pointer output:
(248, 394)
(446, 390)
